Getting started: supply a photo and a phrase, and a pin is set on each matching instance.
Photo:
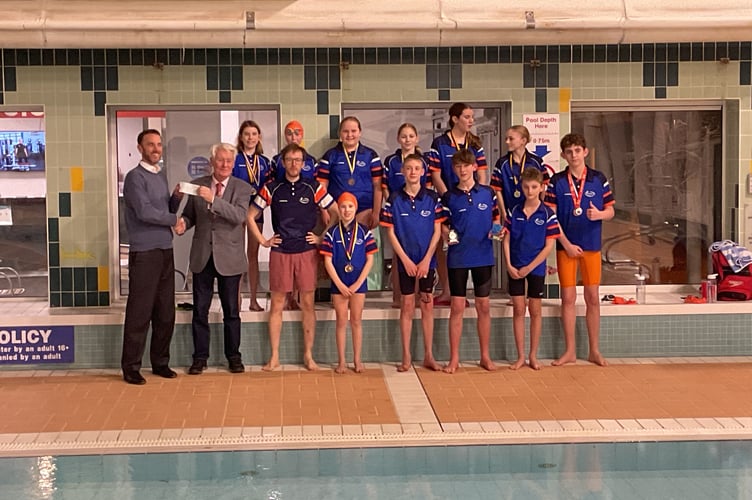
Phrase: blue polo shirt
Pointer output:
(439, 158)
(507, 178)
(413, 220)
(308, 171)
(293, 206)
(256, 171)
(579, 229)
(334, 244)
(528, 235)
(472, 214)
(393, 180)
(334, 168)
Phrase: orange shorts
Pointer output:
(589, 264)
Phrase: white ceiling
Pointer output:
(322, 23)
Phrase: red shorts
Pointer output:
(298, 268)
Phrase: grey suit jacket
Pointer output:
(220, 228)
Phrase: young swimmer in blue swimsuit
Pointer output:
(254, 168)
(413, 217)
(394, 180)
(472, 212)
(348, 249)
(532, 229)
(459, 137)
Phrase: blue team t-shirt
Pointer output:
(334, 167)
(393, 179)
(337, 240)
(293, 207)
(528, 235)
(439, 158)
(579, 229)
(507, 178)
(254, 169)
(472, 215)
(413, 220)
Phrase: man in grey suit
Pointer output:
(218, 212)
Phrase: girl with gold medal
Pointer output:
(348, 250)
(254, 168)
(506, 177)
(352, 167)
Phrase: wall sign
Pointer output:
(33, 345)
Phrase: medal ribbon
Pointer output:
(511, 168)
(351, 164)
(457, 144)
(348, 246)
(253, 169)
(577, 196)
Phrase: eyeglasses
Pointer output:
(294, 161)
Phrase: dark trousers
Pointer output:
(227, 289)
(151, 299)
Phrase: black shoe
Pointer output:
(134, 378)
(164, 371)
(198, 366)
(236, 366)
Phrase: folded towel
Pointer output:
(737, 256)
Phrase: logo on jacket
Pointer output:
(304, 200)
(589, 193)
(425, 213)
(539, 222)
(482, 206)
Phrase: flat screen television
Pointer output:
(22, 150)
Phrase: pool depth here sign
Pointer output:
(544, 137)
(33, 345)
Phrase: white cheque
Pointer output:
(189, 188)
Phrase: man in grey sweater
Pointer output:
(150, 220)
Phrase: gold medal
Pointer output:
(516, 194)
(577, 211)
(348, 246)
(351, 181)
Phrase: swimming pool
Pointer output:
(665, 470)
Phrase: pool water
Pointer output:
(666, 470)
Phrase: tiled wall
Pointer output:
(621, 336)
(310, 84)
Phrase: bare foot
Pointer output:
(359, 368)
(405, 366)
(341, 368)
(487, 364)
(271, 366)
(517, 364)
(451, 367)
(597, 358)
(310, 364)
(565, 359)
(431, 364)
(534, 364)
(254, 306)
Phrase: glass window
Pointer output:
(23, 208)
(664, 165)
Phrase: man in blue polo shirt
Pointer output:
(294, 257)
(473, 211)
(413, 217)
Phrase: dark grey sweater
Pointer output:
(148, 215)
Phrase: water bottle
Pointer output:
(641, 289)
(712, 294)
